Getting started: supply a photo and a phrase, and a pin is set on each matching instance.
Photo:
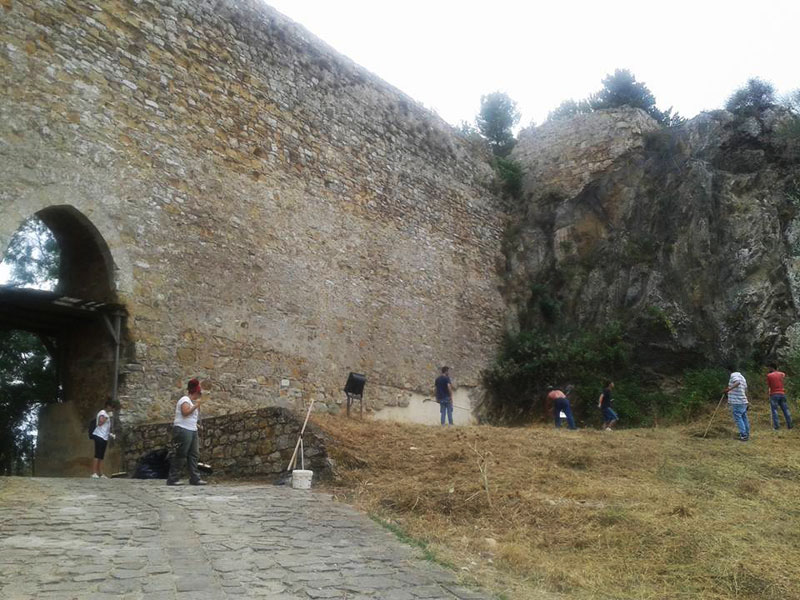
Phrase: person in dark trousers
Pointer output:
(184, 436)
(100, 436)
(604, 403)
(444, 395)
(777, 396)
(560, 404)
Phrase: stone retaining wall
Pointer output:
(253, 443)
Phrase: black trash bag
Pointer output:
(153, 465)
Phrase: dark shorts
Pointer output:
(99, 447)
(609, 414)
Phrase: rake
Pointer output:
(721, 398)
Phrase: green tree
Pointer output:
(753, 97)
(622, 89)
(27, 373)
(496, 120)
(792, 102)
(27, 380)
(569, 108)
(32, 256)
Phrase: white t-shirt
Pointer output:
(189, 422)
(737, 395)
(103, 430)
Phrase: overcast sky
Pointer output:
(446, 54)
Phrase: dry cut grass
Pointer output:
(542, 513)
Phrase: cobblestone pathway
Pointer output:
(117, 538)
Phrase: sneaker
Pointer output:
(198, 482)
(174, 482)
(609, 429)
(103, 477)
(744, 438)
(95, 476)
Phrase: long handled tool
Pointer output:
(454, 405)
(721, 398)
(299, 443)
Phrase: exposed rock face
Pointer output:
(563, 156)
(686, 235)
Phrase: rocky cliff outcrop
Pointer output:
(688, 235)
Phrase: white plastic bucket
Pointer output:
(301, 479)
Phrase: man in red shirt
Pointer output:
(777, 396)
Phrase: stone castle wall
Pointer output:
(277, 216)
(252, 443)
(562, 156)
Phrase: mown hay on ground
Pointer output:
(645, 514)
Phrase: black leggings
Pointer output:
(99, 447)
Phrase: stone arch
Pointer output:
(93, 267)
(98, 225)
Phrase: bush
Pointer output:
(700, 388)
(752, 98)
(531, 360)
(509, 173)
(639, 403)
(568, 109)
(792, 102)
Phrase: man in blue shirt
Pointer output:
(444, 394)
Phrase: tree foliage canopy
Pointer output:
(27, 380)
(792, 101)
(619, 89)
(622, 89)
(33, 256)
(755, 96)
(569, 108)
(496, 120)
(27, 374)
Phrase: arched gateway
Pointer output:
(82, 323)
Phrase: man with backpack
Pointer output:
(99, 432)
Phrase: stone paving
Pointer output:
(119, 538)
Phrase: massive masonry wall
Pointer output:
(277, 215)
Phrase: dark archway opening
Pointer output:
(79, 323)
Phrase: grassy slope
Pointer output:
(645, 514)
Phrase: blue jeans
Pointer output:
(562, 405)
(739, 412)
(776, 400)
(609, 415)
(446, 408)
